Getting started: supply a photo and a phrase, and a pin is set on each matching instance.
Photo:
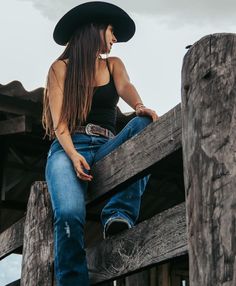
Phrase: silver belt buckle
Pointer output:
(88, 129)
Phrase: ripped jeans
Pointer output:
(68, 195)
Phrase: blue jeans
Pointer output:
(68, 195)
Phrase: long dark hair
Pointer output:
(80, 55)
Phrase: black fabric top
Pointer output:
(103, 109)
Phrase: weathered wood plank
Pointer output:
(209, 148)
(20, 106)
(158, 140)
(160, 238)
(15, 125)
(12, 238)
(37, 263)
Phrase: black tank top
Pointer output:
(103, 109)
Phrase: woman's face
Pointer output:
(110, 39)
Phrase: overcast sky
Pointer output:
(153, 57)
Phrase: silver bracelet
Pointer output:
(139, 107)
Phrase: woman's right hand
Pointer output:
(80, 164)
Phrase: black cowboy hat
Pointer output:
(94, 12)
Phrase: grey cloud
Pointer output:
(52, 9)
(172, 11)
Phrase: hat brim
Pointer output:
(94, 12)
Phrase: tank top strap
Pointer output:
(108, 66)
(64, 61)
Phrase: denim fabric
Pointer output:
(68, 195)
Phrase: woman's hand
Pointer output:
(80, 164)
(144, 111)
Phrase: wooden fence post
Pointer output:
(209, 151)
(37, 263)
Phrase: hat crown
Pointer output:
(96, 11)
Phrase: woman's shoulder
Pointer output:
(115, 63)
(114, 60)
(58, 67)
(59, 64)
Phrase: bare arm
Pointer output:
(56, 78)
(127, 91)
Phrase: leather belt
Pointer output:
(95, 130)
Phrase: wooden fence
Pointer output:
(203, 127)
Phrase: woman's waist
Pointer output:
(82, 143)
(94, 129)
(104, 119)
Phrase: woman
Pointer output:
(80, 113)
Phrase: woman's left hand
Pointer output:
(144, 111)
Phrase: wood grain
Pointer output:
(209, 152)
(155, 240)
(37, 263)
